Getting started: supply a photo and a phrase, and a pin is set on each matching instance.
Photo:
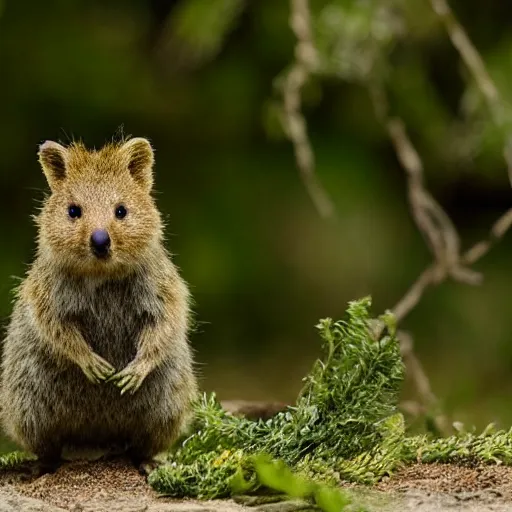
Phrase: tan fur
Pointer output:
(79, 320)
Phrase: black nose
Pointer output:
(100, 243)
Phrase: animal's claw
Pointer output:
(129, 379)
(97, 369)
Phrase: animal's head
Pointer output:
(100, 218)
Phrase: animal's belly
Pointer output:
(117, 343)
(85, 405)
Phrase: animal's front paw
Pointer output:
(130, 378)
(97, 369)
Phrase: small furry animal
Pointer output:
(96, 352)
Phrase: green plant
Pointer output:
(14, 459)
(346, 408)
(344, 426)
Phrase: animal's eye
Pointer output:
(74, 211)
(121, 212)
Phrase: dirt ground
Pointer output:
(99, 486)
(113, 486)
(429, 487)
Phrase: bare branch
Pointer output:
(435, 225)
(498, 230)
(428, 402)
(415, 369)
(445, 238)
(431, 275)
(467, 51)
(476, 66)
(306, 61)
(433, 222)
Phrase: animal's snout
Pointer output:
(100, 243)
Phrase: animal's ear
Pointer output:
(140, 158)
(52, 157)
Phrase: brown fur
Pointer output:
(79, 321)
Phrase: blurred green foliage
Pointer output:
(197, 77)
(276, 476)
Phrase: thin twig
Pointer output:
(476, 66)
(431, 275)
(433, 222)
(467, 51)
(436, 273)
(498, 230)
(414, 368)
(443, 239)
(306, 62)
(428, 402)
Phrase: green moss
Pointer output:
(489, 447)
(344, 418)
(344, 426)
(14, 459)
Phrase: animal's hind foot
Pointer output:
(48, 458)
(30, 470)
(44, 467)
(145, 468)
(142, 461)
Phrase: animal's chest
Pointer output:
(111, 317)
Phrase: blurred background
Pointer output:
(200, 78)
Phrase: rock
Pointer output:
(253, 410)
(140, 505)
(13, 501)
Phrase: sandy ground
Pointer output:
(118, 486)
(429, 487)
(102, 486)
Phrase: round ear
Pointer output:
(140, 161)
(52, 157)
